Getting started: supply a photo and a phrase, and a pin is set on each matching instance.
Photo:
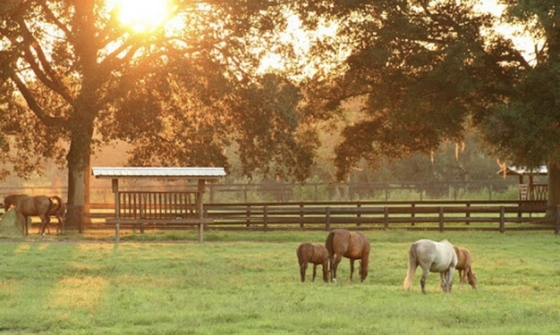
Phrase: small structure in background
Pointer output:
(160, 208)
(528, 189)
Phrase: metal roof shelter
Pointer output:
(519, 171)
(530, 190)
(193, 173)
(200, 174)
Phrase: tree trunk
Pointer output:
(79, 161)
(82, 121)
(553, 189)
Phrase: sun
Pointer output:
(141, 15)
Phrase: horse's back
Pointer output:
(446, 254)
(337, 241)
(349, 244)
(436, 256)
(35, 205)
(320, 253)
(359, 244)
(314, 253)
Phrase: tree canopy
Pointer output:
(74, 77)
(427, 71)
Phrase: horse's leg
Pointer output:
(326, 271)
(314, 271)
(47, 226)
(334, 266)
(443, 281)
(302, 268)
(450, 278)
(351, 268)
(425, 272)
(45, 220)
(447, 280)
(59, 228)
(462, 277)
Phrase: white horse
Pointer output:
(431, 256)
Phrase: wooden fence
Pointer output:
(410, 215)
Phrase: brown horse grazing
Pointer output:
(315, 254)
(352, 245)
(464, 262)
(40, 205)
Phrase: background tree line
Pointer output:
(74, 78)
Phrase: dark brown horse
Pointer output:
(352, 245)
(464, 266)
(315, 254)
(40, 205)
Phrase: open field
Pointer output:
(248, 283)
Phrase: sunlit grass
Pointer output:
(248, 283)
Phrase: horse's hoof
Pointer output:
(334, 280)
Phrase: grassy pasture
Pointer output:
(248, 283)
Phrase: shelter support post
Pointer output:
(115, 186)
(200, 208)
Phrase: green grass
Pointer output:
(248, 283)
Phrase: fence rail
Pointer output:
(410, 215)
(375, 215)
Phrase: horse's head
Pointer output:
(363, 270)
(471, 278)
(9, 201)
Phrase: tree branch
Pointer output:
(43, 69)
(52, 17)
(47, 120)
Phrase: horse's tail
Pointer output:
(56, 204)
(329, 244)
(412, 264)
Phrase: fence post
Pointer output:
(502, 219)
(412, 213)
(328, 217)
(557, 220)
(468, 214)
(301, 215)
(441, 224)
(359, 215)
(386, 218)
(265, 217)
(248, 216)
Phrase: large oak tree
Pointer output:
(73, 77)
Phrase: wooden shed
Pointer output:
(155, 207)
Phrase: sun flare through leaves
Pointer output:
(140, 15)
